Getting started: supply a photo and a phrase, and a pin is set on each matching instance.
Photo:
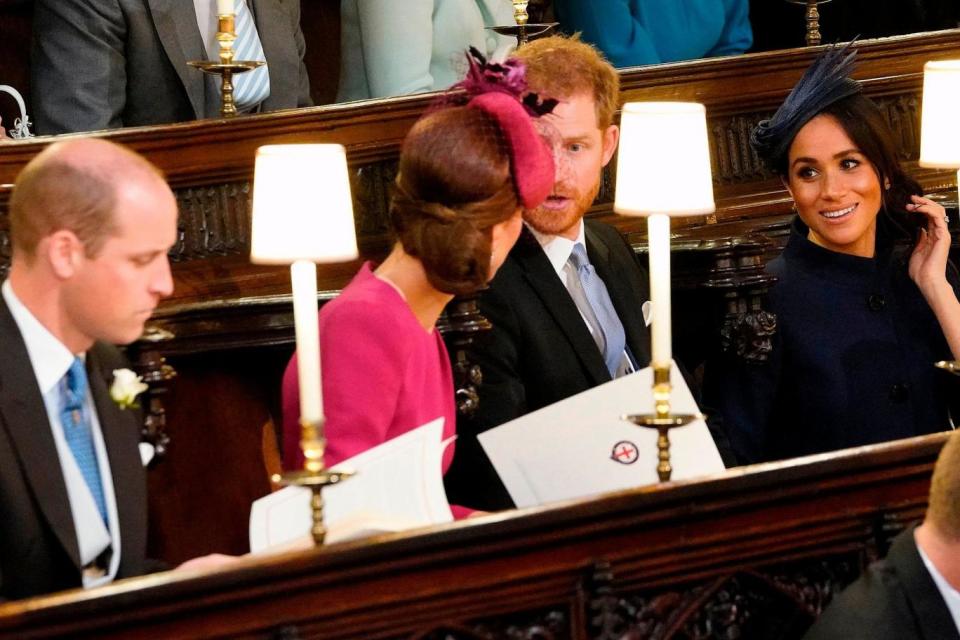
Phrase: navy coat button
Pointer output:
(899, 393)
(876, 302)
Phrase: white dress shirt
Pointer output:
(950, 595)
(558, 250)
(50, 360)
(206, 11)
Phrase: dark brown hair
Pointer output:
(866, 126)
(560, 67)
(454, 185)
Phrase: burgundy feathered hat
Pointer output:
(500, 91)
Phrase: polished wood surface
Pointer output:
(787, 534)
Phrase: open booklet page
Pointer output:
(581, 446)
(398, 485)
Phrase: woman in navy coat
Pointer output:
(865, 300)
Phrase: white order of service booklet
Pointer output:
(581, 447)
(398, 485)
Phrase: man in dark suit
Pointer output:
(914, 593)
(102, 64)
(82, 277)
(551, 339)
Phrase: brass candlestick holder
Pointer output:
(227, 67)
(813, 19)
(314, 475)
(523, 30)
(951, 366)
(662, 420)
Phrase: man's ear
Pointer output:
(611, 136)
(63, 251)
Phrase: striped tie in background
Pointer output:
(253, 87)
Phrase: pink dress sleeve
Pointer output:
(362, 360)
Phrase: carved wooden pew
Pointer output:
(232, 320)
(753, 553)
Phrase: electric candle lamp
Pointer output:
(663, 170)
(940, 130)
(302, 215)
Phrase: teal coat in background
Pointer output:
(635, 32)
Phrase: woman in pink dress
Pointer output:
(466, 173)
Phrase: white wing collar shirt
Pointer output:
(51, 360)
(559, 250)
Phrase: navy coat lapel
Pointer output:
(25, 418)
(556, 299)
(625, 301)
(180, 36)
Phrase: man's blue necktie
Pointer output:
(76, 428)
(612, 340)
(253, 87)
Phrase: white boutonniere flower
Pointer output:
(126, 387)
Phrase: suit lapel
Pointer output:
(625, 300)
(279, 48)
(932, 614)
(25, 418)
(180, 36)
(556, 299)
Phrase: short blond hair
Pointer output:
(72, 185)
(561, 67)
(943, 512)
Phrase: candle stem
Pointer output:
(303, 276)
(658, 233)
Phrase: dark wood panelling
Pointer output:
(758, 552)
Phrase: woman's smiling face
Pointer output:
(835, 187)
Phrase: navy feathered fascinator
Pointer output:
(826, 81)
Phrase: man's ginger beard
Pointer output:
(554, 222)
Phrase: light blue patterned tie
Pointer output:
(253, 87)
(76, 428)
(614, 341)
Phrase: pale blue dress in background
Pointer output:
(396, 47)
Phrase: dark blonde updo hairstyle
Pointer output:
(453, 186)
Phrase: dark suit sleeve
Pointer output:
(78, 66)
(303, 93)
(471, 480)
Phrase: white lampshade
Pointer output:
(664, 160)
(302, 208)
(940, 121)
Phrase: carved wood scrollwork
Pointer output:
(781, 603)
(460, 324)
(738, 273)
(547, 625)
(214, 221)
(156, 373)
(734, 160)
